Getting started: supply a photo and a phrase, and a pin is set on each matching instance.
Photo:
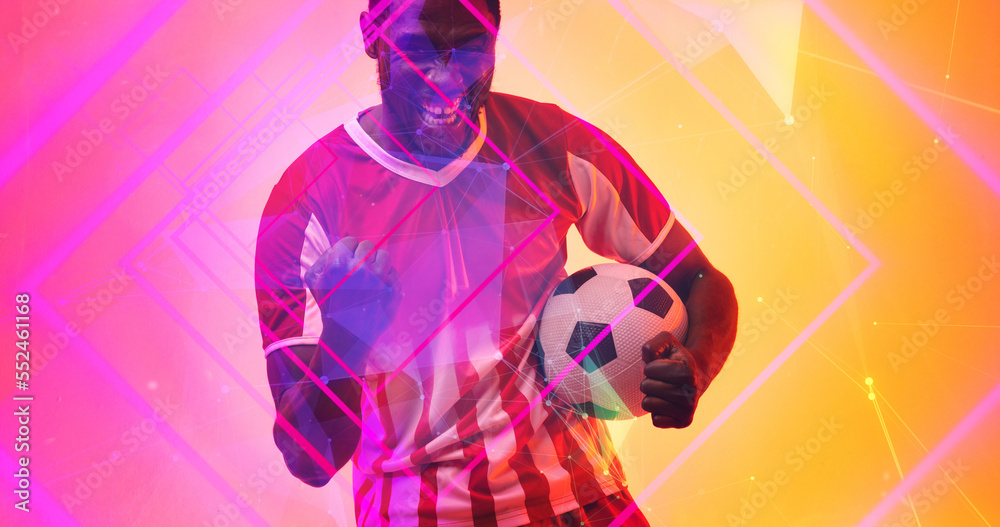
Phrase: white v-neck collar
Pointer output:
(437, 178)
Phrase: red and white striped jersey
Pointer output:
(456, 433)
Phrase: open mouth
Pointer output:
(439, 113)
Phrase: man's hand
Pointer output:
(673, 383)
(366, 301)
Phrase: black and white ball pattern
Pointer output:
(605, 383)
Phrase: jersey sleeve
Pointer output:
(290, 239)
(623, 216)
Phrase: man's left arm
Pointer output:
(678, 373)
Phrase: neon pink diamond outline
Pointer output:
(635, 172)
(839, 226)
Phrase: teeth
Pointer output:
(450, 119)
(444, 115)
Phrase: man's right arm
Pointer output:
(315, 415)
(354, 284)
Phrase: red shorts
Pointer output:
(597, 514)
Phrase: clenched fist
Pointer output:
(673, 382)
(356, 288)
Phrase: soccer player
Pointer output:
(404, 259)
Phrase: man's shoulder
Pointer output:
(514, 106)
(540, 123)
(334, 144)
(323, 152)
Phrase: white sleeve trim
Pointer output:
(314, 244)
(293, 341)
(605, 225)
(656, 243)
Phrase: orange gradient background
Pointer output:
(151, 404)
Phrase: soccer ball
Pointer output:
(605, 382)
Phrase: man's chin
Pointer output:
(441, 140)
(434, 136)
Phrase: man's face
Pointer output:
(437, 60)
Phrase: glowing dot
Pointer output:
(752, 478)
(498, 356)
(871, 396)
(421, 397)
(152, 385)
(606, 472)
(585, 415)
(947, 76)
(760, 299)
(324, 379)
(869, 381)
(936, 141)
(680, 126)
(789, 120)
(225, 388)
(874, 323)
(814, 158)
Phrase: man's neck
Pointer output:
(373, 122)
